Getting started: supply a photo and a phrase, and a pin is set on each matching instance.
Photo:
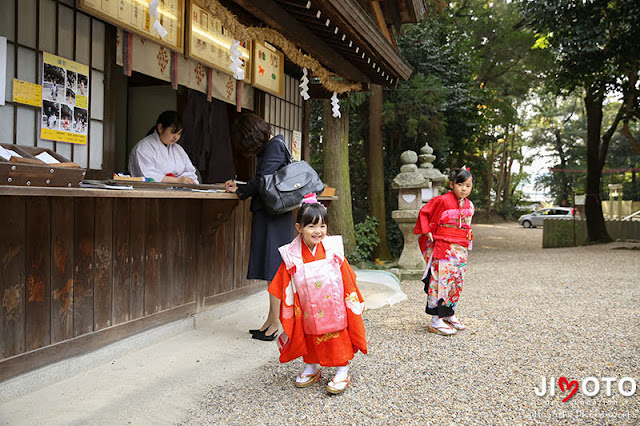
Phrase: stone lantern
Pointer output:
(409, 183)
(615, 196)
(433, 176)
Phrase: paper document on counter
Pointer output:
(96, 184)
(8, 153)
(45, 157)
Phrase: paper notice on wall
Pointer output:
(296, 145)
(3, 67)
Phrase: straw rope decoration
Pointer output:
(241, 32)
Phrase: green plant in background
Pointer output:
(366, 240)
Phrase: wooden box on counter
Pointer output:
(28, 170)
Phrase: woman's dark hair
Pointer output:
(459, 175)
(312, 213)
(250, 133)
(168, 119)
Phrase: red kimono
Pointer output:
(447, 221)
(446, 257)
(330, 349)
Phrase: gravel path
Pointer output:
(531, 313)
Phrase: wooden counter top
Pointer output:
(34, 191)
(139, 192)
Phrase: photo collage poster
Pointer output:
(65, 100)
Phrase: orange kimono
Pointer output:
(331, 349)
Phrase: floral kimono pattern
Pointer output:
(444, 280)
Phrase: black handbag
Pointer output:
(285, 189)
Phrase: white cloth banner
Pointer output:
(3, 68)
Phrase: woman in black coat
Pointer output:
(253, 136)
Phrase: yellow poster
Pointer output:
(65, 100)
(27, 93)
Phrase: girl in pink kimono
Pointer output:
(321, 306)
(445, 227)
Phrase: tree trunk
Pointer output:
(376, 170)
(564, 179)
(506, 191)
(635, 145)
(596, 229)
(489, 178)
(630, 100)
(335, 140)
(503, 168)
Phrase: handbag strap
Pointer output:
(287, 153)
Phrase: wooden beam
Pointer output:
(377, 12)
(278, 19)
(351, 15)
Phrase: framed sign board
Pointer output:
(208, 42)
(133, 16)
(268, 68)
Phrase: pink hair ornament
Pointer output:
(310, 198)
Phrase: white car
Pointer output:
(537, 218)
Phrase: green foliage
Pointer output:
(438, 104)
(596, 51)
(366, 240)
(621, 157)
(473, 66)
(595, 43)
(559, 125)
(516, 206)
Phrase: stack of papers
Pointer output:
(8, 153)
(103, 185)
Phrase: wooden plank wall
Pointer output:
(73, 267)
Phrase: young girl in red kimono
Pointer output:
(445, 225)
(321, 306)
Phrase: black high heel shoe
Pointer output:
(262, 335)
(256, 331)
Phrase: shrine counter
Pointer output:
(85, 267)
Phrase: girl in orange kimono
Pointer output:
(321, 306)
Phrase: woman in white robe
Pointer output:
(159, 157)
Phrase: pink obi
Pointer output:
(319, 285)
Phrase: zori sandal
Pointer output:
(455, 323)
(443, 330)
(335, 388)
(302, 381)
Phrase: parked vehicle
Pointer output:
(534, 219)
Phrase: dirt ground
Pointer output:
(533, 315)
